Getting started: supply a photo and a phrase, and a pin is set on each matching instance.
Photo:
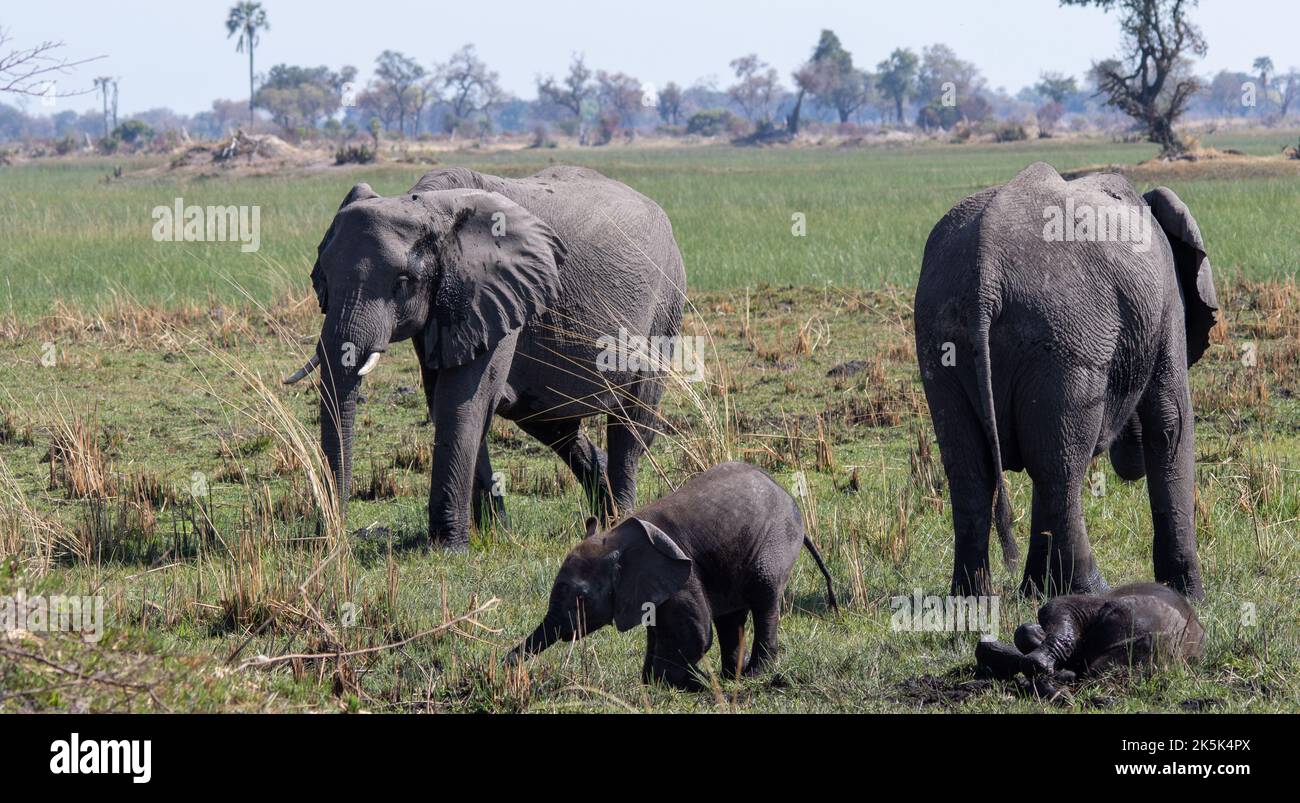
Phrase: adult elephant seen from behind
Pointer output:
(1054, 320)
(510, 290)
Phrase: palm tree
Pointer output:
(102, 83)
(246, 19)
(1264, 66)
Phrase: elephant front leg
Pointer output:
(1062, 625)
(731, 640)
(464, 401)
(647, 666)
(450, 489)
(680, 639)
(674, 673)
(1169, 446)
(489, 493)
(1029, 637)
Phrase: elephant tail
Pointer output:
(821, 564)
(989, 419)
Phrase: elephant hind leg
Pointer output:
(1060, 557)
(588, 462)
(968, 465)
(998, 660)
(972, 503)
(630, 431)
(1169, 446)
(767, 621)
(1058, 443)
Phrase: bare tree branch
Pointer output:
(31, 71)
(1151, 83)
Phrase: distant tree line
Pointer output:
(1148, 86)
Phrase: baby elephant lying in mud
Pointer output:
(706, 556)
(1138, 625)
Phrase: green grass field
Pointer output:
(70, 235)
(153, 461)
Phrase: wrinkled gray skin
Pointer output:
(1141, 625)
(503, 286)
(706, 556)
(1063, 350)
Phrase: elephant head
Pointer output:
(609, 577)
(458, 269)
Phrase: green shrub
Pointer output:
(606, 128)
(711, 123)
(541, 137)
(133, 132)
(1010, 132)
(354, 154)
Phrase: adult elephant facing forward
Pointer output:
(506, 288)
(1055, 320)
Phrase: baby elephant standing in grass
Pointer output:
(706, 556)
(1138, 625)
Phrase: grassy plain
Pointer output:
(70, 233)
(154, 461)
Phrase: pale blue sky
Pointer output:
(176, 54)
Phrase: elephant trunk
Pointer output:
(546, 634)
(338, 409)
(351, 342)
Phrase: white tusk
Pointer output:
(303, 371)
(370, 364)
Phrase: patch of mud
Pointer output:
(1199, 704)
(849, 368)
(948, 691)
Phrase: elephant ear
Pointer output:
(651, 568)
(498, 266)
(1200, 300)
(359, 192)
